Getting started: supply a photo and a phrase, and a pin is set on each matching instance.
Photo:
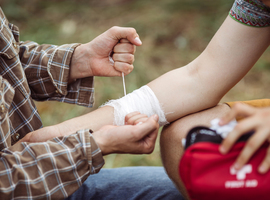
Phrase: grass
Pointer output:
(173, 32)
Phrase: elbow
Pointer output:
(205, 82)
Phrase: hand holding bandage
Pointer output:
(93, 58)
(133, 139)
(123, 56)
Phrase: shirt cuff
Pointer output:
(58, 66)
(92, 151)
(80, 92)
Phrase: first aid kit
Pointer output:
(207, 174)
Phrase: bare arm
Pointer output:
(231, 53)
(202, 83)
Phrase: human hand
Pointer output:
(135, 118)
(133, 139)
(93, 58)
(255, 119)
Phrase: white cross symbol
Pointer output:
(241, 173)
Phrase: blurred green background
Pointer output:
(173, 33)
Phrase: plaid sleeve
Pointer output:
(49, 170)
(47, 72)
(251, 13)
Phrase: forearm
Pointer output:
(93, 120)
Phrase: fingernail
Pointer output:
(236, 166)
(139, 123)
(155, 117)
(222, 150)
(137, 39)
(262, 169)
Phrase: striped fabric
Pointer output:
(251, 12)
(51, 170)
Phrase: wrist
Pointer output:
(67, 127)
(79, 59)
(100, 142)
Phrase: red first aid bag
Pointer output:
(207, 174)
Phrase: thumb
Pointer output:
(149, 126)
(155, 117)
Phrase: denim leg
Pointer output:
(128, 183)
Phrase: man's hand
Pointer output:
(93, 58)
(133, 139)
(256, 119)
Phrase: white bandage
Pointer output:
(143, 100)
(223, 130)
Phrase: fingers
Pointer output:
(257, 120)
(148, 136)
(250, 148)
(148, 143)
(124, 48)
(135, 118)
(149, 126)
(238, 110)
(123, 67)
(124, 40)
(241, 128)
(129, 116)
(265, 165)
(130, 34)
(123, 56)
(128, 139)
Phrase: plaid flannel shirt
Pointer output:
(53, 169)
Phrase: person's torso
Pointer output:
(18, 113)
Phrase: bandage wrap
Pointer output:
(143, 100)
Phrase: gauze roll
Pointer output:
(143, 100)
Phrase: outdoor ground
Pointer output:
(173, 33)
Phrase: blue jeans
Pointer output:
(128, 183)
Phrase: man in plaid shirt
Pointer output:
(56, 168)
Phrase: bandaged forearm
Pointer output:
(143, 100)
